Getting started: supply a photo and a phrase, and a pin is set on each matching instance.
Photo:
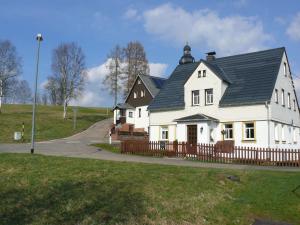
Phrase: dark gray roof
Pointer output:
(123, 106)
(251, 79)
(196, 117)
(154, 84)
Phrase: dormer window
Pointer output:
(195, 97)
(284, 69)
(204, 73)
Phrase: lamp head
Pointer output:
(39, 37)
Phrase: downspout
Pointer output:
(267, 104)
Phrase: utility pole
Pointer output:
(39, 38)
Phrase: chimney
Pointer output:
(210, 56)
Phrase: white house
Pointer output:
(249, 98)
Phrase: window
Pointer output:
(284, 69)
(204, 73)
(130, 114)
(228, 128)
(282, 98)
(139, 82)
(142, 93)
(289, 100)
(195, 97)
(294, 103)
(276, 132)
(164, 133)
(249, 131)
(134, 95)
(199, 73)
(209, 96)
(276, 96)
(295, 135)
(283, 133)
(140, 113)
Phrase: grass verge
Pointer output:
(38, 189)
(49, 121)
(108, 147)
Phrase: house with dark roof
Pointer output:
(248, 98)
(132, 115)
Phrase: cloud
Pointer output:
(280, 20)
(96, 95)
(205, 28)
(293, 30)
(158, 69)
(132, 14)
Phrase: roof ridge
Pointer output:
(249, 53)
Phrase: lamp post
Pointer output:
(39, 38)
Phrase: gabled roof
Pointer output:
(196, 118)
(123, 106)
(251, 79)
(153, 84)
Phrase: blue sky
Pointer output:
(229, 27)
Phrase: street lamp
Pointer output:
(39, 38)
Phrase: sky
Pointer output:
(163, 27)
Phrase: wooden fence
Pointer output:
(213, 153)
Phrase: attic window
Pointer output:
(142, 93)
(139, 82)
(284, 69)
(294, 103)
(199, 73)
(204, 73)
(134, 94)
(282, 97)
(276, 96)
(289, 100)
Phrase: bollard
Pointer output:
(23, 132)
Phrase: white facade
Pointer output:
(267, 125)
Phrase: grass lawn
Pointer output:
(49, 121)
(108, 147)
(38, 189)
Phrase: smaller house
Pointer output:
(132, 115)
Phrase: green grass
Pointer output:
(38, 189)
(108, 147)
(49, 121)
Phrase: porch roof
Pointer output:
(196, 118)
(123, 106)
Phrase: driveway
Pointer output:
(79, 146)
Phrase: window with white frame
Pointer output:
(134, 95)
(294, 103)
(295, 135)
(289, 100)
(282, 97)
(130, 114)
(276, 132)
(139, 82)
(249, 131)
(204, 73)
(228, 134)
(284, 69)
(209, 96)
(199, 73)
(195, 97)
(276, 96)
(164, 133)
(283, 133)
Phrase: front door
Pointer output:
(192, 139)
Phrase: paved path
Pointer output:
(78, 146)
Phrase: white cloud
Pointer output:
(293, 30)
(132, 14)
(280, 20)
(158, 69)
(96, 95)
(206, 29)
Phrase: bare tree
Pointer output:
(69, 73)
(10, 67)
(111, 80)
(22, 93)
(136, 63)
(45, 98)
(52, 88)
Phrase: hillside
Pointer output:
(49, 121)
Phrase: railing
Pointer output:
(214, 153)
